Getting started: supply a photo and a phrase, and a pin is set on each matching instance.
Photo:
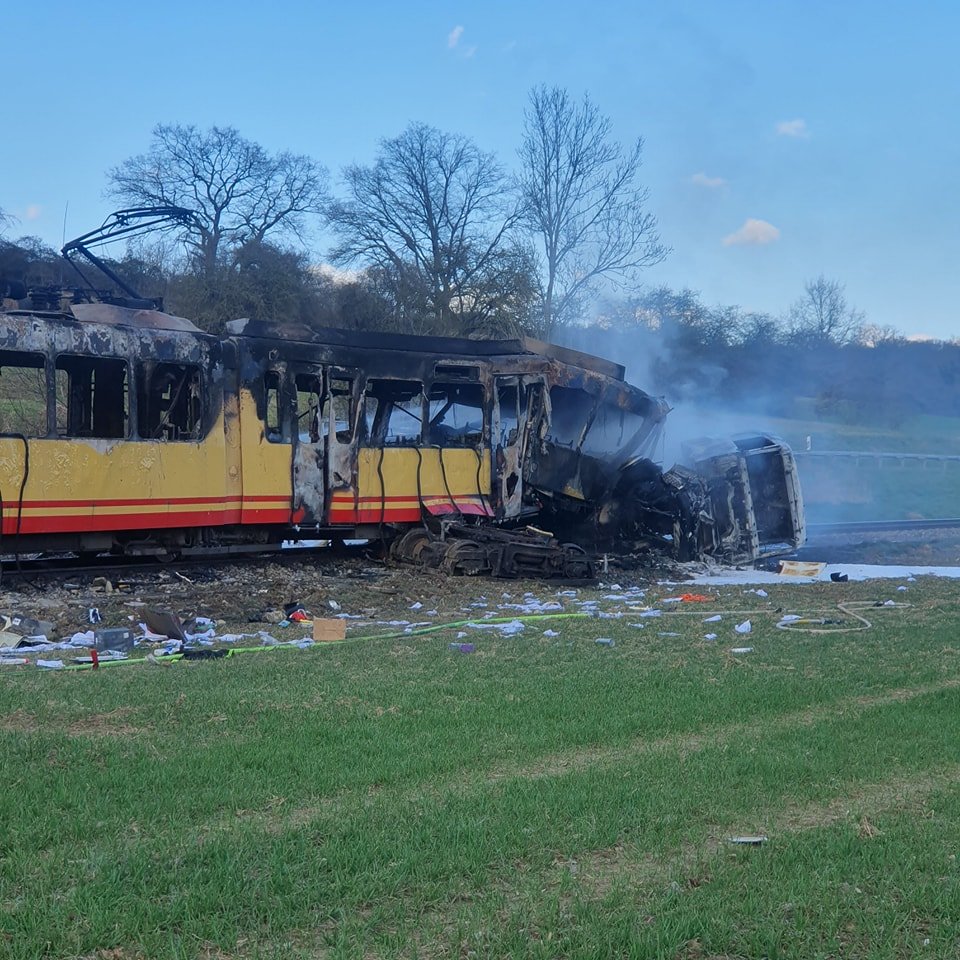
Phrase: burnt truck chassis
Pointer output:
(645, 514)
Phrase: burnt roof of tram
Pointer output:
(439, 346)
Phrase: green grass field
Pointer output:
(541, 797)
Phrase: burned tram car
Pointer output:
(129, 430)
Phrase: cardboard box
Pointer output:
(324, 631)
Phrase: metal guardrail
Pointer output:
(875, 455)
(879, 526)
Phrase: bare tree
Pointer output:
(823, 315)
(434, 214)
(238, 192)
(6, 220)
(876, 334)
(582, 201)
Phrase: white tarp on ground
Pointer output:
(855, 571)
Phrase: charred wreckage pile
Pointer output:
(128, 430)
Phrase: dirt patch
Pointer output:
(897, 793)
(19, 722)
(110, 724)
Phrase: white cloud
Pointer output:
(454, 37)
(702, 180)
(33, 212)
(753, 233)
(793, 128)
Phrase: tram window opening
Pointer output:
(92, 397)
(393, 411)
(271, 415)
(612, 431)
(508, 399)
(169, 401)
(456, 415)
(310, 425)
(23, 393)
(569, 411)
(340, 397)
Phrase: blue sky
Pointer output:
(782, 139)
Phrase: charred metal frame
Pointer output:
(581, 482)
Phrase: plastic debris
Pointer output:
(709, 636)
(751, 840)
(531, 606)
(605, 642)
(50, 664)
(744, 627)
(716, 618)
(508, 629)
(551, 633)
(742, 650)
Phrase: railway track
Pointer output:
(32, 565)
